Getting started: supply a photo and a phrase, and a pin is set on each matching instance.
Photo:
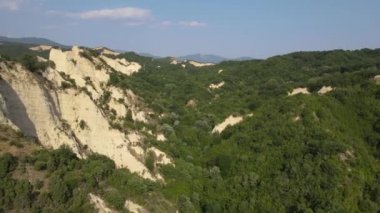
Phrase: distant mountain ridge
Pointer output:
(202, 58)
(209, 58)
(30, 40)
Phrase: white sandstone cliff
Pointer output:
(72, 105)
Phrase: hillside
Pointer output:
(292, 133)
(30, 40)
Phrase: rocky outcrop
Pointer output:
(32, 109)
(325, 89)
(41, 48)
(377, 79)
(122, 65)
(106, 51)
(161, 137)
(198, 64)
(134, 207)
(230, 121)
(72, 105)
(93, 129)
(99, 204)
(161, 157)
(80, 68)
(297, 91)
(216, 86)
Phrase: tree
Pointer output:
(60, 191)
(97, 168)
(31, 63)
(24, 194)
(150, 160)
(185, 205)
(7, 164)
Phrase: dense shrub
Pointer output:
(31, 63)
(7, 164)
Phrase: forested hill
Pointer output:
(304, 137)
(30, 40)
(315, 152)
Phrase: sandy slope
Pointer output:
(78, 68)
(161, 137)
(216, 86)
(161, 157)
(73, 116)
(377, 79)
(134, 207)
(197, 64)
(298, 91)
(107, 51)
(325, 89)
(229, 121)
(98, 136)
(99, 204)
(41, 48)
(122, 65)
(37, 102)
(174, 62)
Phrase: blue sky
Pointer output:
(256, 28)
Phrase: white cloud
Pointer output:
(131, 13)
(192, 24)
(117, 13)
(182, 23)
(10, 4)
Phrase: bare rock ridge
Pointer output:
(198, 64)
(41, 48)
(229, 121)
(73, 105)
(300, 90)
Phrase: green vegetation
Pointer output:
(89, 54)
(31, 63)
(328, 160)
(15, 51)
(83, 125)
(57, 181)
(69, 82)
(304, 153)
(149, 161)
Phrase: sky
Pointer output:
(254, 28)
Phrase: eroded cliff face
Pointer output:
(4, 114)
(91, 74)
(32, 109)
(72, 105)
